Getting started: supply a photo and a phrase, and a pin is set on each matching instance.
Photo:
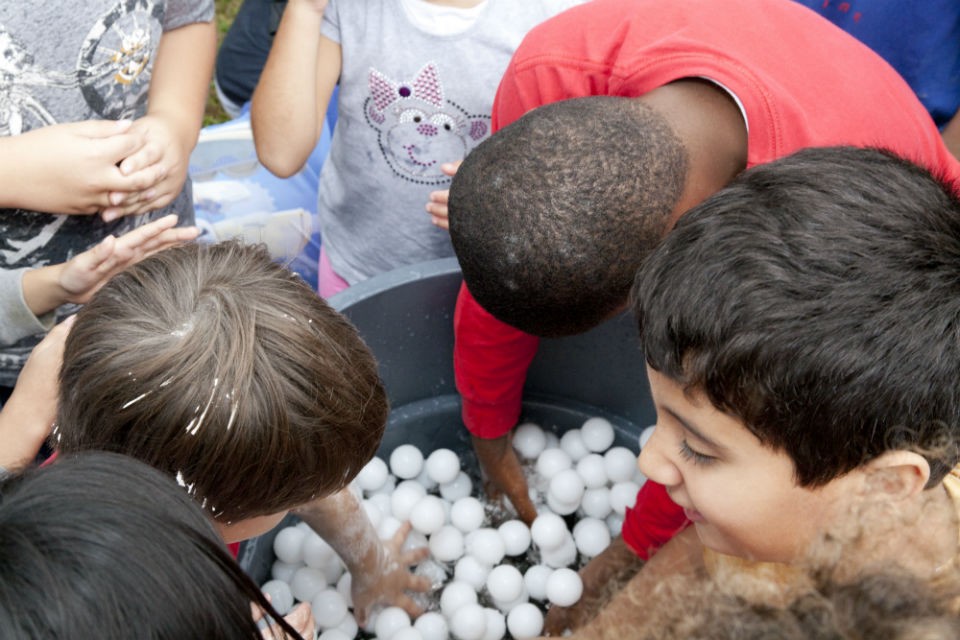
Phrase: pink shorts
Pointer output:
(328, 282)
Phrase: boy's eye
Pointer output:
(694, 456)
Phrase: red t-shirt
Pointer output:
(801, 82)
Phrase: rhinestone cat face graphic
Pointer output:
(418, 128)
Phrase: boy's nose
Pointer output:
(655, 464)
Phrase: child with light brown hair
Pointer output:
(226, 371)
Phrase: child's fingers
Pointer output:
(115, 142)
(406, 603)
(147, 155)
(158, 235)
(414, 556)
(145, 177)
(145, 233)
(400, 536)
(420, 584)
(102, 252)
(450, 168)
(441, 197)
(170, 238)
(301, 619)
(136, 203)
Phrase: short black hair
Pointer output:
(100, 545)
(817, 299)
(551, 216)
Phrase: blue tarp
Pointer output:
(235, 196)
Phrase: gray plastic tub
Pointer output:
(406, 317)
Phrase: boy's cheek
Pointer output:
(249, 528)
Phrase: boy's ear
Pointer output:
(896, 474)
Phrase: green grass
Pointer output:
(225, 11)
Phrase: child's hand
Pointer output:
(602, 576)
(437, 205)
(85, 273)
(389, 581)
(300, 618)
(29, 414)
(160, 164)
(70, 168)
(47, 288)
(503, 475)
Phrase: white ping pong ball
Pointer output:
(548, 531)
(553, 461)
(525, 621)
(505, 583)
(564, 587)
(529, 440)
(598, 434)
(288, 544)
(406, 461)
(455, 596)
(428, 515)
(373, 475)
(467, 514)
(446, 545)
(572, 442)
(620, 464)
(516, 537)
(442, 466)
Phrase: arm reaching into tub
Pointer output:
(379, 570)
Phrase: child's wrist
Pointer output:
(42, 291)
(308, 7)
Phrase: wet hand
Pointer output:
(391, 580)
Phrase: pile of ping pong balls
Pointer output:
(493, 579)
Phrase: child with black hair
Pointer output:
(72, 560)
(800, 332)
(612, 119)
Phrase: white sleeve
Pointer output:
(16, 319)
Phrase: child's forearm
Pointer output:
(42, 290)
(291, 97)
(341, 520)
(683, 555)
(28, 415)
(22, 432)
(180, 79)
(602, 577)
(611, 569)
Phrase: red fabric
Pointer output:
(801, 80)
(654, 519)
(234, 549)
(491, 387)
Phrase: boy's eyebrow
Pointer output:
(696, 432)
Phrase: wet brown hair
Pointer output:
(225, 370)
